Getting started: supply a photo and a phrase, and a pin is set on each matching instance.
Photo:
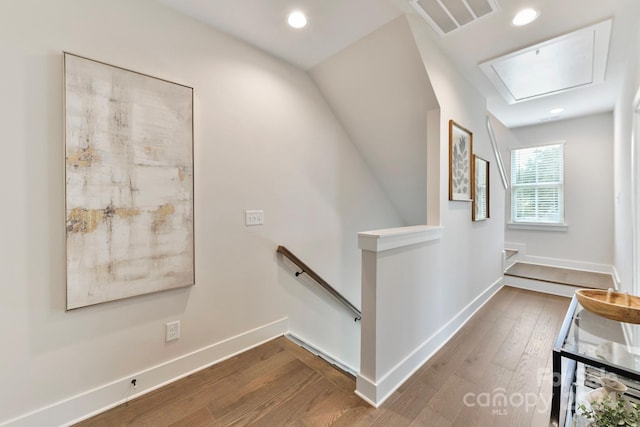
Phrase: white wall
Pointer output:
(421, 293)
(472, 250)
(623, 157)
(379, 89)
(588, 190)
(264, 139)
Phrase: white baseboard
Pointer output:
(314, 349)
(557, 262)
(100, 399)
(566, 263)
(376, 393)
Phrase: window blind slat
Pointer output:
(537, 184)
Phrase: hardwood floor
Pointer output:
(496, 371)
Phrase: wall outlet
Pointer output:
(172, 331)
(254, 217)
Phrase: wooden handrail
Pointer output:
(305, 269)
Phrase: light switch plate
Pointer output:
(254, 217)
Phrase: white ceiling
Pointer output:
(336, 24)
(332, 24)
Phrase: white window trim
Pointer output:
(538, 226)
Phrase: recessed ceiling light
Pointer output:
(525, 16)
(297, 19)
(556, 111)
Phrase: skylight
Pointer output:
(556, 65)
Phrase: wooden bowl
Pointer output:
(610, 304)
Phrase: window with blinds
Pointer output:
(537, 184)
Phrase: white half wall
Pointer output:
(405, 318)
(264, 139)
(421, 293)
(471, 251)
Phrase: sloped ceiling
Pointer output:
(380, 91)
(334, 24)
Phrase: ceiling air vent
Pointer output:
(446, 16)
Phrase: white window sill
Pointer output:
(539, 226)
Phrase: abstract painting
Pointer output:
(460, 149)
(129, 183)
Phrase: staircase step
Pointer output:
(562, 276)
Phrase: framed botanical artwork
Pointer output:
(460, 149)
(128, 183)
(480, 188)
